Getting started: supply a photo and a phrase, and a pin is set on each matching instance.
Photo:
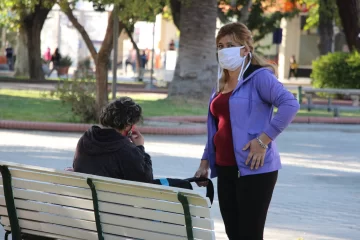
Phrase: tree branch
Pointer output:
(107, 44)
(129, 33)
(68, 11)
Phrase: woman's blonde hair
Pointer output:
(241, 35)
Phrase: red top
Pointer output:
(223, 141)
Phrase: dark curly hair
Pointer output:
(121, 113)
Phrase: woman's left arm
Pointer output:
(273, 92)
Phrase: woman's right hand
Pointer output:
(203, 171)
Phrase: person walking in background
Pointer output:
(55, 58)
(172, 45)
(241, 149)
(143, 62)
(9, 57)
(47, 56)
(293, 67)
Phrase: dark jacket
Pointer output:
(105, 152)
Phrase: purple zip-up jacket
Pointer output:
(251, 113)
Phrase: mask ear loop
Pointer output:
(242, 67)
(220, 72)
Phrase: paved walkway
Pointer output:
(317, 196)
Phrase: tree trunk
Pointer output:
(68, 11)
(22, 58)
(349, 13)
(33, 24)
(175, 6)
(129, 33)
(326, 26)
(101, 58)
(196, 66)
(102, 64)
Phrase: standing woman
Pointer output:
(240, 149)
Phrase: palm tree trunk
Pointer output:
(326, 26)
(196, 67)
(22, 58)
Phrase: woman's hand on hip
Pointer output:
(203, 171)
(256, 155)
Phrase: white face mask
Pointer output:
(230, 59)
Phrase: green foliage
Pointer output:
(11, 11)
(80, 94)
(84, 69)
(134, 10)
(329, 8)
(260, 22)
(337, 70)
(263, 23)
(65, 61)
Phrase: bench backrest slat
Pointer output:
(84, 192)
(44, 234)
(106, 218)
(141, 190)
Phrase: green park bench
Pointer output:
(309, 93)
(54, 204)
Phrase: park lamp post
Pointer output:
(152, 57)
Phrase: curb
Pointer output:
(299, 119)
(196, 130)
(78, 127)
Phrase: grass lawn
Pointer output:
(54, 79)
(29, 105)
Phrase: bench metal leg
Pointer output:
(329, 104)
(309, 102)
(7, 233)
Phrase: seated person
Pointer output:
(109, 150)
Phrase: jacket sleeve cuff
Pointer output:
(272, 132)
(205, 156)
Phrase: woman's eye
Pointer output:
(220, 47)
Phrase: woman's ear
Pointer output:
(246, 51)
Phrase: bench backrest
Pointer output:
(61, 204)
(332, 91)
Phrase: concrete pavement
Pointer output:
(317, 196)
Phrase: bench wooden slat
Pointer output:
(155, 234)
(110, 208)
(61, 230)
(143, 190)
(105, 218)
(109, 197)
(187, 193)
(38, 233)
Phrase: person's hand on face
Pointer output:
(137, 138)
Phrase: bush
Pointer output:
(65, 61)
(80, 94)
(337, 70)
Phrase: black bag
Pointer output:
(186, 184)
